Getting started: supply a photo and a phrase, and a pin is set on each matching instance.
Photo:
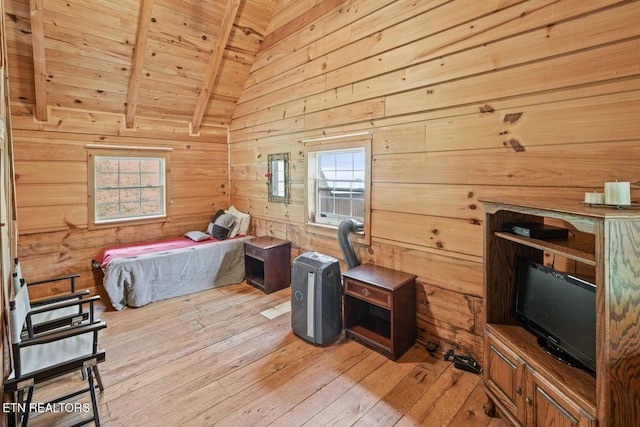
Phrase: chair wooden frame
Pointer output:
(70, 295)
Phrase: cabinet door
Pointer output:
(547, 407)
(504, 375)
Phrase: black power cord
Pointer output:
(466, 363)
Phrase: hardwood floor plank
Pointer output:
(365, 394)
(406, 393)
(268, 400)
(153, 317)
(263, 368)
(441, 402)
(451, 402)
(160, 347)
(186, 377)
(472, 411)
(211, 358)
(176, 408)
(326, 395)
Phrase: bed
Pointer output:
(139, 274)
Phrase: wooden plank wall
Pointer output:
(51, 188)
(465, 100)
(7, 210)
(71, 65)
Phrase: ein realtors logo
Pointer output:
(46, 407)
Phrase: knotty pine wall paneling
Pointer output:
(72, 80)
(51, 189)
(465, 100)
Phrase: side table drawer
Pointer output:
(252, 251)
(366, 292)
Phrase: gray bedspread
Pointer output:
(140, 280)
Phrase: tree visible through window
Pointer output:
(128, 187)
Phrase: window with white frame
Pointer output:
(339, 185)
(338, 182)
(127, 186)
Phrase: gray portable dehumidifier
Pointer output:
(316, 298)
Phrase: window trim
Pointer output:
(125, 151)
(332, 144)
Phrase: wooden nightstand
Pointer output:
(379, 308)
(267, 263)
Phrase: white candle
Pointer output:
(617, 193)
(594, 198)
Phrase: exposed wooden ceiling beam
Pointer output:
(214, 63)
(138, 61)
(39, 63)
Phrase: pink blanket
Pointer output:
(135, 249)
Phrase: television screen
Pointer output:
(560, 309)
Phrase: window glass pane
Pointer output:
(107, 210)
(340, 183)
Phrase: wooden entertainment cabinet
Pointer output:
(530, 387)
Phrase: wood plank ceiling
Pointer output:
(184, 60)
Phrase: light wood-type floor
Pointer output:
(212, 359)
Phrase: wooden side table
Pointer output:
(267, 263)
(379, 308)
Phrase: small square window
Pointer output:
(127, 186)
(338, 184)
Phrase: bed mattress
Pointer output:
(137, 275)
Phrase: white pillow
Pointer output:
(197, 236)
(243, 221)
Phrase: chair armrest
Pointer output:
(64, 304)
(60, 322)
(71, 277)
(55, 279)
(57, 335)
(58, 298)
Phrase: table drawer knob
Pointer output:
(366, 292)
(253, 251)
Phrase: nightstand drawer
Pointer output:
(368, 293)
(252, 251)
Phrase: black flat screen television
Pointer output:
(561, 310)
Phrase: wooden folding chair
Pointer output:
(50, 340)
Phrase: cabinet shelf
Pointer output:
(373, 329)
(580, 247)
(255, 280)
